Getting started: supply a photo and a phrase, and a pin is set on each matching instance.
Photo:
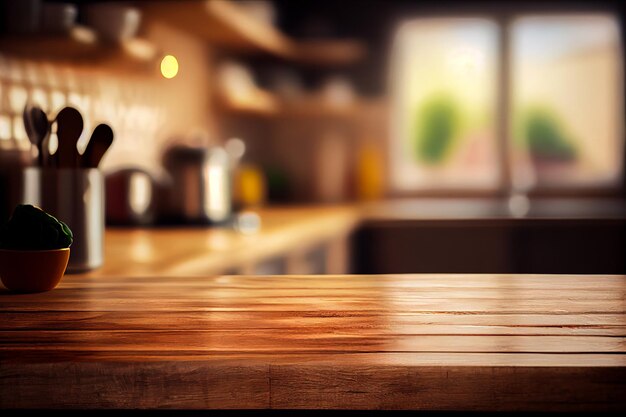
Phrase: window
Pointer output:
(567, 101)
(547, 114)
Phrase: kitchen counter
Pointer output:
(422, 342)
(201, 250)
(474, 210)
(292, 232)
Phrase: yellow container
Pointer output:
(369, 173)
(250, 186)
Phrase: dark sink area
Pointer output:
(566, 236)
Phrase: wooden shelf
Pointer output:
(260, 104)
(225, 24)
(337, 52)
(312, 108)
(265, 104)
(81, 47)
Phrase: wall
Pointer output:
(145, 110)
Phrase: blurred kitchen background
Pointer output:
(472, 136)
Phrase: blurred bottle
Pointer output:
(337, 92)
(278, 184)
(249, 183)
(331, 168)
(250, 186)
(369, 173)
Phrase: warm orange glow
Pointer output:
(169, 66)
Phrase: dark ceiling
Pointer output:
(373, 21)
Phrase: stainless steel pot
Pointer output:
(200, 189)
(75, 196)
(12, 164)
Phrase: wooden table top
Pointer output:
(424, 342)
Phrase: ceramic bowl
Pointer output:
(32, 271)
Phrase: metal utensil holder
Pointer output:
(75, 196)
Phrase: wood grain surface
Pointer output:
(423, 342)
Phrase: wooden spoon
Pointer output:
(37, 128)
(41, 124)
(99, 143)
(69, 128)
(28, 125)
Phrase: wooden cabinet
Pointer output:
(549, 246)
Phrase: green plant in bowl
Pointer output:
(34, 250)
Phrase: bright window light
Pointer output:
(444, 78)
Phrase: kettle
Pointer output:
(131, 197)
(200, 187)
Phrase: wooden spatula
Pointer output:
(42, 128)
(99, 143)
(69, 128)
(38, 129)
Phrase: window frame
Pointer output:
(504, 20)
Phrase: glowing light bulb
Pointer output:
(169, 66)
